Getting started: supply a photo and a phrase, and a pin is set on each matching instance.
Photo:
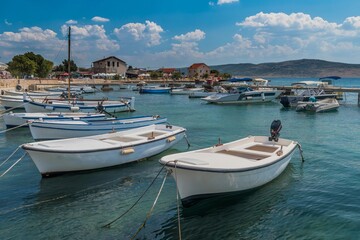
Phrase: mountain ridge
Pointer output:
(292, 68)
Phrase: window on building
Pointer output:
(108, 63)
(113, 64)
(118, 64)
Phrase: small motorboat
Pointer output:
(233, 167)
(100, 151)
(243, 95)
(58, 129)
(324, 105)
(155, 89)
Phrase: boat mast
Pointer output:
(69, 63)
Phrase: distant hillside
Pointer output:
(295, 68)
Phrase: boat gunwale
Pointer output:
(228, 170)
(32, 148)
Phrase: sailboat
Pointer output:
(78, 105)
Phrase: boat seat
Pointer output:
(120, 139)
(262, 148)
(242, 154)
(152, 134)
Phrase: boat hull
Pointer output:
(17, 119)
(53, 161)
(57, 130)
(196, 185)
(91, 107)
(243, 98)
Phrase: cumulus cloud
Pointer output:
(148, 32)
(71, 22)
(196, 35)
(35, 34)
(100, 19)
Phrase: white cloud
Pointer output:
(296, 21)
(196, 35)
(100, 19)
(71, 22)
(221, 2)
(29, 34)
(148, 32)
(211, 4)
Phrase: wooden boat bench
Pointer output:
(243, 154)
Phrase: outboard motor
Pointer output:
(275, 130)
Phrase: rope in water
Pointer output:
(177, 201)
(132, 206)
(10, 155)
(152, 208)
(13, 164)
(301, 152)
(9, 129)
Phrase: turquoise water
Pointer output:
(319, 199)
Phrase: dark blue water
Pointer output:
(319, 199)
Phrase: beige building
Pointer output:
(110, 65)
(198, 70)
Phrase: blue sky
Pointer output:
(176, 33)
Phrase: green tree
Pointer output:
(73, 66)
(21, 66)
(30, 64)
(43, 66)
(154, 75)
(215, 72)
(176, 75)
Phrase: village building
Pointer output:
(110, 66)
(198, 70)
(167, 72)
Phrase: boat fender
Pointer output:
(18, 87)
(170, 139)
(74, 109)
(127, 151)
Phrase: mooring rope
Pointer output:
(13, 164)
(10, 155)
(132, 206)
(301, 152)
(177, 200)
(10, 109)
(187, 141)
(9, 129)
(151, 209)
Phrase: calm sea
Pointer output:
(319, 199)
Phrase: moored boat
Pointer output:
(243, 95)
(324, 105)
(80, 105)
(106, 150)
(154, 89)
(16, 119)
(233, 167)
(58, 129)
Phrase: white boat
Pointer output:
(32, 94)
(303, 90)
(186, 90)
(16, 119)
(101, 151)
(233, 167)
(243, 95)
(58, 129)
(12, 102)
(327, 104)
(77, 105)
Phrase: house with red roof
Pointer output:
(198, 70)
